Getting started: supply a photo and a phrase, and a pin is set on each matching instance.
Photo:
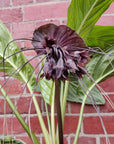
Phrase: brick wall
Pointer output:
(21, 18)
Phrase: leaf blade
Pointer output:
(15, 61)
(101, 36)
(82, 15)
(99, 69)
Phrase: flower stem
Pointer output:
(19, 117)
(59, 117)
(52, 118)
(48, 118)
(80, 121)
(64, 101)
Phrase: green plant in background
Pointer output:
(9, 140)
(62, 71)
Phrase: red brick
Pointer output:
(25, 139)
(106, 20)
(65, 140)
(23, 30)
(23, 105)
(4, 3)
(110, 10)
(40, 12)
(13, 86)
(35, 64)
(11, 15)
(4, 106)
(70, 124)
(108, 85)
(38, 24)
(8, 27)
(35, 125)
(13, 126)
(40, 1)
(103, 140)
(107, 107)
(75, 108)
(92, 125)
(28, 44)
(85, 140)
(49, 108)
(19, 44)
(19, 2)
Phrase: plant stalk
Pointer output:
(80, 121)
(20, 119)
(64, 101)
(53, 118)
(58, 107)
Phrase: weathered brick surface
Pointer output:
(21, 19)
(24, 103)
(23, 30)
(40, 12)
(4, 106)
(103, 140)
(12, 125)
(106, 20)
(75, 108)
(107, 107)
(20, 2)
(92, 125)
(35, 125)
(4, 3)
(12, 86)
(108, 85)
(70, 124)
(11, 15)
(84, 140)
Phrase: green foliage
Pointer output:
(17, 60)
(99, 68)
(9, 140)
(46, 87)
(83, 14)
(77, 94)
(101, 36)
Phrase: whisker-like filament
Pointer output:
(92, 100)
(19, 68)
(30, 105)
(22, 49)
(30, 77)
(102, 91)
(89, 49)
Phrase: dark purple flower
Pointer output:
(64, 48)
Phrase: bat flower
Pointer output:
(65, 51)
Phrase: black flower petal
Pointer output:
(64, 49)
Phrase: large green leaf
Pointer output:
(99, 68)
(83, 14)
(76, 94)
(15, 61)
(101, 36)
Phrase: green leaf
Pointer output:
(46, 87)
(9, 140)
(83, 14)
(76, 94)
(99, 68)
(101, 36)
(15, 61)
